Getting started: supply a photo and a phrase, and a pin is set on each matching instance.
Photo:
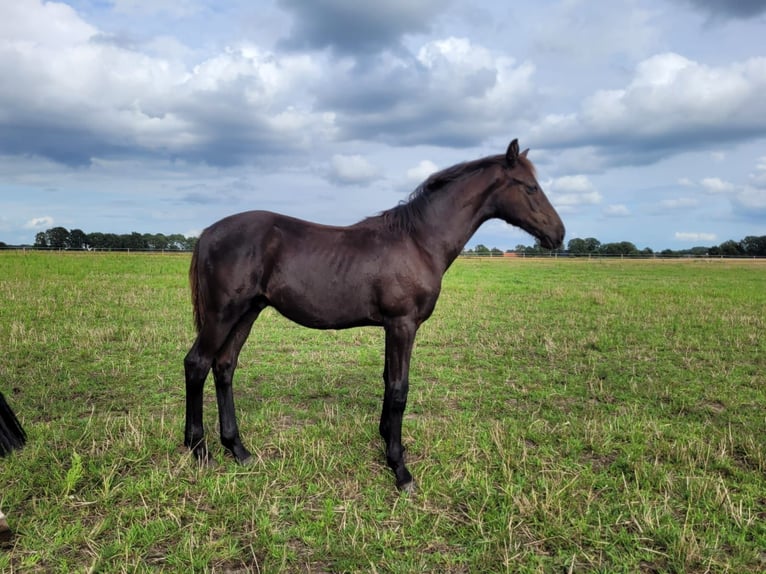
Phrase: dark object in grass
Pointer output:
(12, 436)
(383, 271)
(6, 534)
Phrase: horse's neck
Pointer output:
(454, 215)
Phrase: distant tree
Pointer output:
(729, 248)
(577, 246)
(99, 240)
(699, 251)
(496, 252)
(621, 248)
(482, 250)
(754, 246)
(158, 242)
(535, 249)
(77, 239)
(58, 237)
(61, 238)
(134, 241)
(178, 241)
(592, 245)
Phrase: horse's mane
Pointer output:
(405, 216)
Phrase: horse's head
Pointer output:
(520, 201)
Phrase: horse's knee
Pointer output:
(223, 371)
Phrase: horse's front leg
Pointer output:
(400, 336)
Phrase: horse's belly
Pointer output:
(326, 305)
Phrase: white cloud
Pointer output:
(241, 103)
(693, 236)
(617, 210)
(175, 8)
(571, 32)
(752, 200)
(571, 184)
(571, 191)
(28, 25)
(450, 92)
(420, 172)
(758, 179)
(589, 198)
(679, 203)
(44, 222)
(686, 182)
(461, 68)
(716, 185)
(670, 103)
(352, 169)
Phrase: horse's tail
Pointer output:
(12, 436)
(198, 305)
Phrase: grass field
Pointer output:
(564, 416)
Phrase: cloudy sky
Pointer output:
(646, 118)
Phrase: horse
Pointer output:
(384, 271)
(12, 436)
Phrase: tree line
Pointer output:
(750, 246)
(77, 239)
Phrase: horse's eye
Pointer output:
(530, 189)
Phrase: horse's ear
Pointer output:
(512, 155)
(524, 153)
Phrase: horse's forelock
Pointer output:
(527, 164)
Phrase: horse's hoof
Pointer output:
(409, 488)
(247, 461)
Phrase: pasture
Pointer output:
(564, 416)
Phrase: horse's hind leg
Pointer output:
(223, 371)
(197, 364)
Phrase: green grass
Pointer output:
(564, 416)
